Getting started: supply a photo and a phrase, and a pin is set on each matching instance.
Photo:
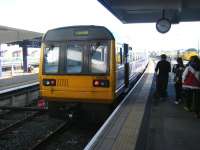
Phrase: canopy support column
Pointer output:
(25, 61)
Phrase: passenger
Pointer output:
(191, 84)
(30, 68)
(162, 70)
(178, 71)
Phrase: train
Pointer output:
(186, 55)
(86, 65)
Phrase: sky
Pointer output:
(42, 15)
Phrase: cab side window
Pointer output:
(119, 56)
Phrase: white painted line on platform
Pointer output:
(18, 88)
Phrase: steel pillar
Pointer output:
(25, 61)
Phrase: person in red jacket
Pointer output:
(191, 84)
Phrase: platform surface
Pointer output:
(170, 126)
(17, 80)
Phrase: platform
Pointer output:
(145, 123)
(17, 80)
(170, 127)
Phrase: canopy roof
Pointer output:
(8, 34)
(144, 11)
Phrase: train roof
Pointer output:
(78, 33)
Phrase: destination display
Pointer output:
(81, 33)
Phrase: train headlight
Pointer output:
(100, 83)
(49, 82)
(96, 83)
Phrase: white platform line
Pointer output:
(18, 88)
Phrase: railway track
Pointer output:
(69, 135)
(41, 143)
(27, 133)
(37, 131)
(15, 123)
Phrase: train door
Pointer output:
(119, 68)
(126, 66)
(122, 70)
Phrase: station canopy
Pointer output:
(144, 11)
(9, 35)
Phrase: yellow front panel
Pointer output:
(79, 96)
(79, 88)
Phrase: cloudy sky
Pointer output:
(41, 15)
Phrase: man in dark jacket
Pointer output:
(162, 70)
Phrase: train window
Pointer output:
(133, 57)
(120, 57)
(130, 54)
(51, 58)
(99, 53)
(130, 57)
(74, 58)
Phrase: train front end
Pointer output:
(77, 65)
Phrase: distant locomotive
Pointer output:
(86, 65)
(187, 54)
